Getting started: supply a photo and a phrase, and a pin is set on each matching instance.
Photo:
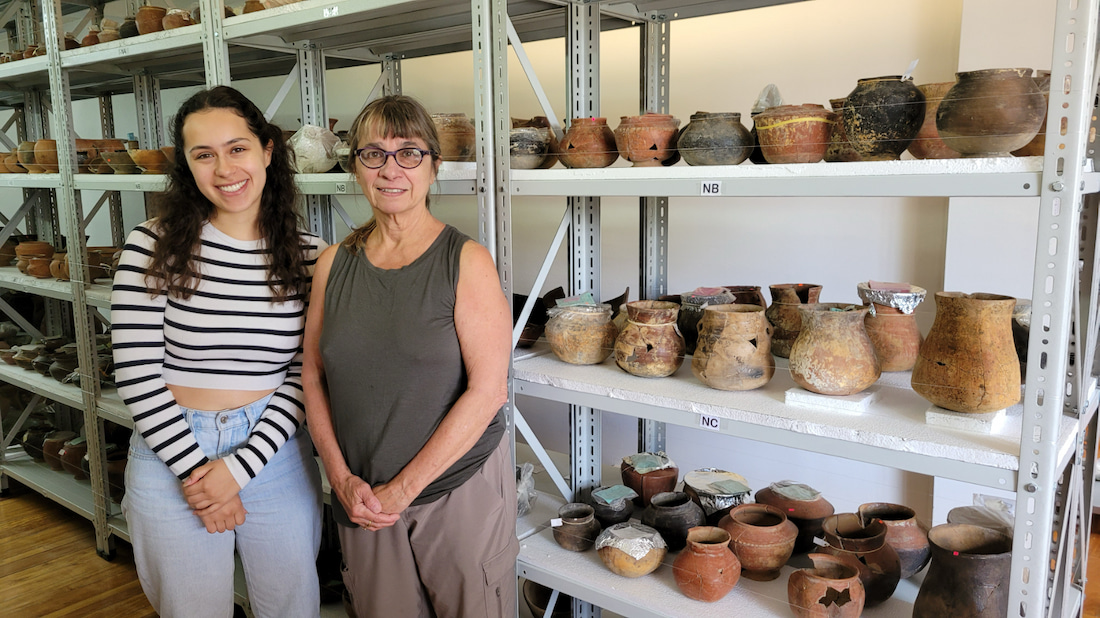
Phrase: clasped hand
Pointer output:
(212, 492)
(371, 509)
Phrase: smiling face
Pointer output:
(227, 160)
(392, 189)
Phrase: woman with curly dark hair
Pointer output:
(208, 311)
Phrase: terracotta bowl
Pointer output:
(99, 166)
(121, 162)
(176, 18)
(85, 152)
(25, 155)
(11, 163)
(34, 248)
(109, 145)
(45, 155)
(59, 267)
(150, 19)
(150, 161)
(39, 267)
(169, 153)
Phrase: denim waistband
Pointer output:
(243, 416)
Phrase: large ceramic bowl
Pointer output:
(150, 161)
(121, 162)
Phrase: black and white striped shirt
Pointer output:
(227, 335)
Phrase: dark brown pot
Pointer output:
(71, 454)
(833, 354)
(648, 140)
(150, 19)
(904, 533)
(794, 133)
(865, 548)
(970, 568)
(610, 513)
(542, 122)
(804, 506)
(649, 345)
(1037, 146)
(706, 570)
(882, 116)
(32, 441)
(927, 144)
(762, 538)
(968, 361)
(783, 313)
(691, 311)
(51, 447)
(456, 137)
(831, 589)
(714, 139)
(128, 28)
(648, 484)
(734, 350)
(672, 513)
(578, 529)
(990, 113)
(588, 142)
(839, 150)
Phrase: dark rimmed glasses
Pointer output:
(408, 158)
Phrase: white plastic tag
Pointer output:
(555, 523)
(909, 72)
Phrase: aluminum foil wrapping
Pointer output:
(717, 489)
(906, 302)
(634, 539)
(648, 462)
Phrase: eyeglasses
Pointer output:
(408, 158)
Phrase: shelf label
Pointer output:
(710, 188)
(331, 11)
(712, 423)
(122, 51)
(341, 187)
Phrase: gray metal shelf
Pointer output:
(99, 294)
(110, 406)
(60, 487)
(42, 385)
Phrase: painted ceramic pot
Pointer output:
(794, 133)
(762, 538)
(904, 533)
(927, 144)
(706, 570)
(1037, 146)
(578, 529)
(672, 513)
(968, 361)
(649, 345)
(882, 116)
(804, 506)
(542, 122)
(833, 354)
(714, 139)
(864, 547)
(581, 334)
(892, 324)
(990, 113)
(648, 140)
(588, 142)
(839, 150)
(783, 313)
(457, 138)
(734, 350)
(831, 589)
(970, 566)
(150, 19)
(528, 147)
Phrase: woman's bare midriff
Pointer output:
(214, 400)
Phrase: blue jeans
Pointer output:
(186, 571)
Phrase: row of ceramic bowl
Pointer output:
(100, 156)
(39, 259)
(65, 451)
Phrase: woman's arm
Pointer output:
(353, 492)
(484, 328)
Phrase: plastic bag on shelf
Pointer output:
(525, 489)
(769, 97)
(987, 512)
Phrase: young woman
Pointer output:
(406, 369)
(208, 314)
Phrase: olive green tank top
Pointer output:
(393, 364)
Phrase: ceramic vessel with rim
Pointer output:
(672, 513)
(865, 548)
(714, 139)
(634, 554)
(691, 312)
(650, 483)
(706, 570)
(881, 117)
(588, 142)
(833, 354)
(610, 513)
(581, 334)
(831, 589)
(804, 506)
(927, 144)
(649, 346)
(734, 348)
(970, 566)
(783, 313)
(150, 19)
(907, 535)
(794, 133)
(648, 140)
(762, 538)
(456, 136)
(578, 529)
(990, 113)
(839, 150)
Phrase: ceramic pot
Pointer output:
(151, 161)
(1037, 146)
(882, 116)
(747, 295)
(30, 52)
(588, 142)
(12, 163)
(648, 140)
(610, 513)
(804, 506)
(59, 267)
(85, 152)
(904, 533)
(691, 311)
(715, 491)
(150, 19)
(528, 147)
(92, 38)
(32, 441)
(706, 570)
(970, 566)
(756, 155)
(794, 133)
(176, 18)
(251, 6)
(39, 267)
(111, 34)
(650, 483)
(51, 447)
(537, 597)
(831, 589)
(581, 334)
(892, 324)
(121, 162)
(26, 158)
(783, 313)
(734, 351)
(865, 548)
(927, 144)
(714, 139)
(60, 369)
(990, 113)
(762, 538)
(968, 361)
(70, 42)
(833, 354)
(71, 454)
(631, 549)
(542, 122)
(672, 513)
(25, 355)
(109, 145)
(45, 155)
(578, 529)
(839, 150)
(29, 249)
(129, 28)
(456, 136)
(649, 345)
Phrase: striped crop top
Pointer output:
(228, 335)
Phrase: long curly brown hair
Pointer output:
(182, 208)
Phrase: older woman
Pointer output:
(406, 364)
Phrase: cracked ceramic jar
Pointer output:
(706, 570)
(892, 323)
(830, 589)
(839, 150)
(833, 354)
(804, 506)
(734, 348)
(581, 334)
(904, 533)
(588, 142)
(783, 313)
(990, 113)
(927, 144)
(968, 576)
(648, 140)
(968, 361)
(794, 133)
(650, 345)
(542, 122)
(762, 538)
(691, 312)
(882, 116)
(864, 547)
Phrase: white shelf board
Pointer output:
(584, 576)
(42, 385)
(23, 68)
(163, 44)
(30, 181)
(121, 182)
(99, 294)
(892, 433)
(110, 407)
(60, 487)
(1012, 176)
(12, 279)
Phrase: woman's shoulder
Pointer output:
(145, 234)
